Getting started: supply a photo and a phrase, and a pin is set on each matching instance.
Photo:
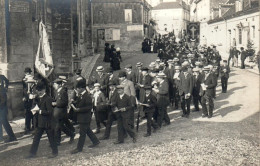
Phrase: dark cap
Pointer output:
(119, 87)
(128, 66)
(58, 81)
(112, 83)
(148, 87)
(78, 71)
(122, 74)
(40, 86)
(144, 69)
(27, 70)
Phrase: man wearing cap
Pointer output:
(185, 91)
(169, 75)
(207, 92)
(82, 107)
(224, 75)
(130, 75)
(45, 123)
(243, 57)
(111, 78)
(176, 85)
(145, 81)
(99, 107)
(78, 77)
(149, 104)
(112, 97)
(197, 78)
(28, 83)
(3, 117)
(123, 107)
(162, 91)
(102, 79)
(60, 105)
(129, 90)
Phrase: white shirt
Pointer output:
(96, 94)
(121, 96)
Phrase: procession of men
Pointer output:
(181, 76)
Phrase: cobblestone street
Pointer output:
(231, 137)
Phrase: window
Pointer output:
(253, 29)
(240, 35)
(128, 15)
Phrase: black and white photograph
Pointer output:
(129, 83)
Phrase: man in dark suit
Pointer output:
(243, 57)
(130, 74)
(82, 106)
(224, 75)
(4, 83)
(185, 91)
(122, 108)
(3, 117)
(161, 92)
(149, 105)
(27, 90)
(45, 122)
(207, 92)
(60, 111)
(197, 78)
(112, 98)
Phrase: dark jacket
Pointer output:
(186, 84)
(197, 84)
(151, 100)
(211, 83)
(224, 74)
(45, 119)
(84, 103)
(4, 83)
(125, 102)
(62, 100)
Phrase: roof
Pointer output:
(168, 5)
(231, 13)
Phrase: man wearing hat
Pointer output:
(207, 92)
(77, 77)
(224, 75)
(130, 75)
(185, 91)
(123, 107)
(176, 85)
(112, 97)
(197, 78)
(129, 90)
(149, 105)
(243, 57)
(60, 105)
(99, 107)
(170, 74)
(3, 117)
(45, 123)
(162, 91)
(28, 83)
(145, 81)
(102, 79)
(82, 107)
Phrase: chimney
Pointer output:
(239, 5)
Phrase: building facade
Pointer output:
(238, 26)
(171, 16)
(69, 32)
(122, 23)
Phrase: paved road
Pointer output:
(231, 137)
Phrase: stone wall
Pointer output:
(61, 36)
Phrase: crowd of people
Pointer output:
(181, 75)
